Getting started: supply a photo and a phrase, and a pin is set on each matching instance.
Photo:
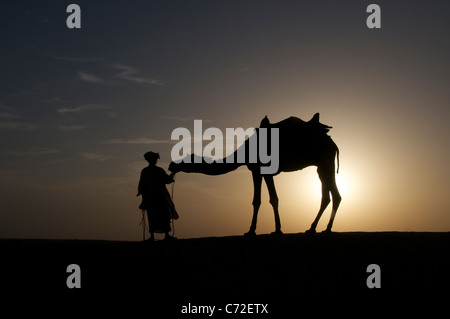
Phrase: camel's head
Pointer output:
(175, 167)
(185, 165)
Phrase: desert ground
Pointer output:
(289, 274)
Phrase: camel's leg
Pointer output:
(325, 198)
(274, 202)
(257, 180)
(336, 201)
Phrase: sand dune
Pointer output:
(287, 273)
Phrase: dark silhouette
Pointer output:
(301, 144)
(155, 197)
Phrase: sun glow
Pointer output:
(344, 184)
(312, 183)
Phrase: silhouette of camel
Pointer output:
(301, 144)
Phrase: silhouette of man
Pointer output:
(155, 197)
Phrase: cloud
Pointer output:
(139, 140)
(184, 119)
(86, 77)
(81, 109)
(73, 59)
(10, 120)
(42, 87)
(8, 115)
(54, 99)
(128, 73)
(7, 112)
(95, 156)
(71, 128)
(18, 126)
(33, 152)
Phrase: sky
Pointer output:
(79, 108)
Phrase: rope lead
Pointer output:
(173, 220)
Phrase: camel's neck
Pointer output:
(208, 166)
(252, 153)
(215, 168)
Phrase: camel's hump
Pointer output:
(314, 119)
(265, 122)
(313, 123)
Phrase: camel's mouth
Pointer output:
(173, 167)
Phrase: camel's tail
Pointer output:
(337, 156)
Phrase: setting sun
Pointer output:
(221, 158)
(77, 114)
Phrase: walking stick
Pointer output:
(143, 224)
